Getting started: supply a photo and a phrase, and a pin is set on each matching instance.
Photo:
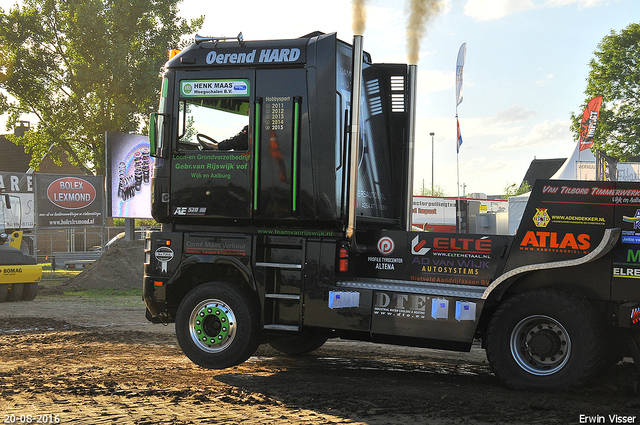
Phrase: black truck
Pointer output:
(283, 182)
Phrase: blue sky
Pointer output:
(525, 71)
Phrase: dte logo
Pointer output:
(401, 301)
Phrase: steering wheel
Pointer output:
(206, 142)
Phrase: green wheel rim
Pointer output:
(212, 325)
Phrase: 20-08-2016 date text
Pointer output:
(31, 419)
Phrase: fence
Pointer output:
(44, 243)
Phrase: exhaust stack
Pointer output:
(412, 91)
(355, 134)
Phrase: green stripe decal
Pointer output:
(296, 117)
(256, 158)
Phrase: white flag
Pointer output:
(462, 53)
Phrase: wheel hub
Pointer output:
(544, 343)
(212, 325)
(540, 345)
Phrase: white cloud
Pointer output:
(432, 81)
(486, 10)
(549, 133)
(512, 114)
(506, 124)
(581, 3)
(546, 80)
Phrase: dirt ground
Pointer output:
(85, 360)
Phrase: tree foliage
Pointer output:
(511, 190)
(615, 75)
(427, 191)
(84, 67)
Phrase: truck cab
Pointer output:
(283, 184)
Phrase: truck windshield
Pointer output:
(203, 122)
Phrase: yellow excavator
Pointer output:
(19, 273)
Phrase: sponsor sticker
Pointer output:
(386, 245)
(555, 242)
(71, 193)
(164, 254)
(541, 218)
(212, 88)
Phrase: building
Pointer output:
(15, 160)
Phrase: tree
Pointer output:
(510, 190)
(84, 67)
(615, 75)
(427, 191)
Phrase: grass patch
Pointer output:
(57, 276)
(102, 293)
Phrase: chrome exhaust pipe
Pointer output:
(412, 91)
(356, 89)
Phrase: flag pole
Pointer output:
(458, 212)
(462, 53)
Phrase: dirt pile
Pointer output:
(120, 267)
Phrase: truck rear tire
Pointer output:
(217, 325)
(15, 293)
(29, 291)
(296, 345)
(544, 340)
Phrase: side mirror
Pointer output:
(7, 201)
(153, 132)
(156, 131)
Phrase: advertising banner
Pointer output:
(462, 54)
(129, 169)
(69, 201)
(433, 257)
(589, 122)
(20, 185)
(564, 220)
(626, 254)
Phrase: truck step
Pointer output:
(279, 265)
(274, 327)
(426, 288)
(283, 296)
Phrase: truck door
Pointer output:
(280, 103)
(211, 172)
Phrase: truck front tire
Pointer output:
(544, 340)
(217, 325)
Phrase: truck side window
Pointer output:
(213, 124)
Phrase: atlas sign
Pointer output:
(71, 193)
(556, 240)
